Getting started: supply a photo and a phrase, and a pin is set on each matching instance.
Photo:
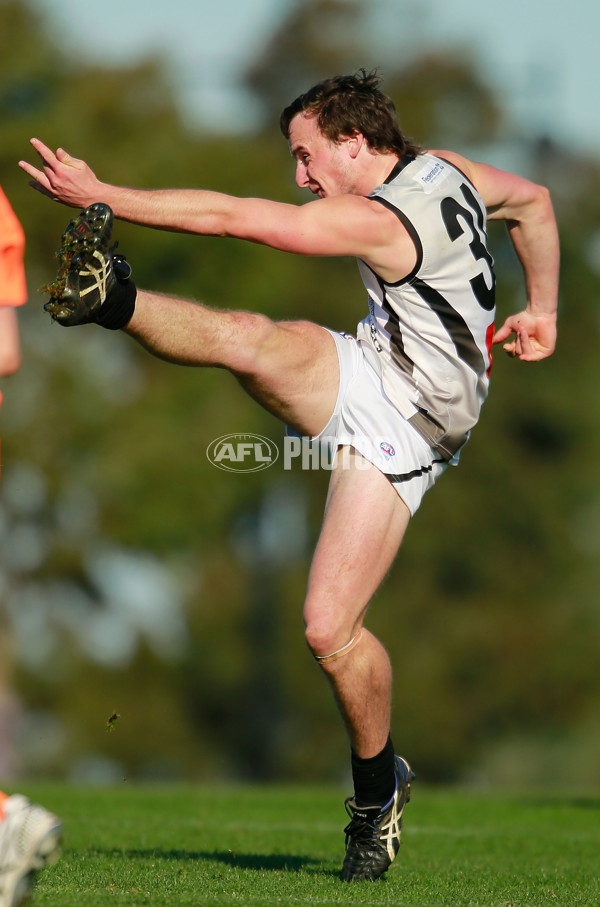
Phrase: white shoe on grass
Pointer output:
(30, 839)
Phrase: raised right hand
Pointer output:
(63, 178)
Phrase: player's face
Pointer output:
(322, 166)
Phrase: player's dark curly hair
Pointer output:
(345, 105)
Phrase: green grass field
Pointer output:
(271, 845)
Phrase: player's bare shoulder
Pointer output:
(457, 160)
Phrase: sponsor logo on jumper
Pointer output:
(432, 173)
(435, 171)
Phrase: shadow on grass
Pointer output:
(256, 862)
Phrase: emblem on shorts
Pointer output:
(388, 450)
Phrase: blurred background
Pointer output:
(138, 580)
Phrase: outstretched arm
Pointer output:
(527, 209)
(72, 182)
(344, 225)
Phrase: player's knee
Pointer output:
(325, 654)
(325, 634)
(251, 335)
(316, 638)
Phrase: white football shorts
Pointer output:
(365, 418)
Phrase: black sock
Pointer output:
(374, 779)
(118, 307)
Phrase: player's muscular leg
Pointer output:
(364, 523)
(290, 368)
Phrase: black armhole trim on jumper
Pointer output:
(410, 227)
(398, 168)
